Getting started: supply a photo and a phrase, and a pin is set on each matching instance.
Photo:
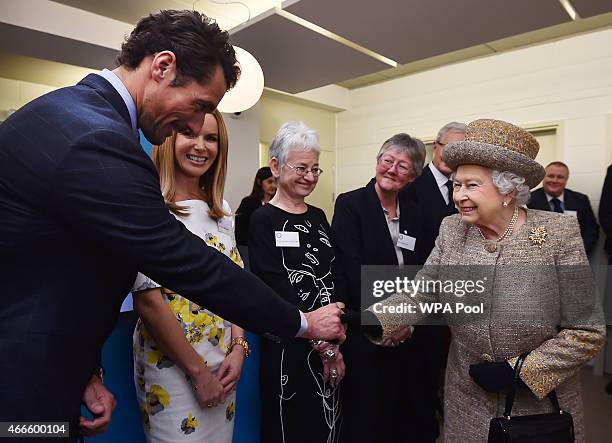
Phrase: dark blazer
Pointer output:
(605, 209)
(370, 390)
(248, 205)
(573, 201)
(361, 237)
(425, 194)
(80, 213)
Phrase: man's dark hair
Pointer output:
(196, 40)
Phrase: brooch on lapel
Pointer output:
(538, 236)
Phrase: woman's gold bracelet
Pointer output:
(242, 342)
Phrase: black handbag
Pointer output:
(556, 427)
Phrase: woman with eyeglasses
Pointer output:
(290, 250)
(373, 225)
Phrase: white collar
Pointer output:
(116, 82)
(550, 197)
(440, 178)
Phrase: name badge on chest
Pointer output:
(286, 239)
(224, 224)
(406, 242)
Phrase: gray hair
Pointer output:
(450, 127)
(293, 136)
(508, 182)
(414, 147)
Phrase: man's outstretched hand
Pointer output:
(325, 324)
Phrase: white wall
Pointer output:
(14, 93)
(567, 82)
(243, 158)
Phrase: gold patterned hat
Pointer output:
(497, 145)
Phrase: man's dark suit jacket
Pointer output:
(80, 213)
(573, 201)
(605, 209)
(425, 194)
(371, 393)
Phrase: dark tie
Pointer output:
(556, 205)
(451, 204)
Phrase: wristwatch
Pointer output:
(242, 342)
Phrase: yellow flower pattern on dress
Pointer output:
(213, 240)
(157, 399)
(235, 256)
(161, 394)
(140, 381)
(146, 422)
(230, 411)
(157, 358)
(189, 424)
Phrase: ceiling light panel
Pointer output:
(409, 30)
(295, 58)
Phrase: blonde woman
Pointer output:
(187, 360)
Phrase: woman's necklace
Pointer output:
(492, 246)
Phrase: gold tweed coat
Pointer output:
(538, 301)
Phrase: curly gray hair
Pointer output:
(508, 182)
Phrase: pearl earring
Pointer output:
(505, 204)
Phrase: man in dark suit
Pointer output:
(554, 196)
(81, 213)
(605, 218)
(432, 190)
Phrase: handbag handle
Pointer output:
(512, 391)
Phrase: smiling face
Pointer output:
(555, 180)
(292, 184)
(194, 155)
(166, 107)
(394, 170)
(476, 196)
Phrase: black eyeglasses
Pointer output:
(302, 171)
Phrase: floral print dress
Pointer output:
(169, 410)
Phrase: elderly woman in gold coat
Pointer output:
(538, 295)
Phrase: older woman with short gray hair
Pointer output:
(373, 225)
(509, 183)
(290, 248)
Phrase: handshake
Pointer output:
(325, 323)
